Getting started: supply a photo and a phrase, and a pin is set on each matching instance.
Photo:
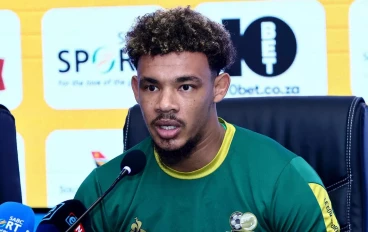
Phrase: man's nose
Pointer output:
(168, 101)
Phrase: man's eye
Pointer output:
(151, 88)
(186, 87)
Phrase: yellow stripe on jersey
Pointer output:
(326, 208)
(209, 168)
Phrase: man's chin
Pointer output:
(168, 145)
(172, 152)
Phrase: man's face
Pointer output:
(175, 93)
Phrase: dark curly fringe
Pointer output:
(177, 30)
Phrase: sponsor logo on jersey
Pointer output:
(136, 226)
(243, 221)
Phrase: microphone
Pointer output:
(62, 216)
(132, 164)
(16, 217)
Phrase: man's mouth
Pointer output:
(167, 129)
(167, 123)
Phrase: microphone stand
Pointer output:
(126, 170)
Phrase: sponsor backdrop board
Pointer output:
(65, 79)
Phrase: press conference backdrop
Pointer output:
(65, 79)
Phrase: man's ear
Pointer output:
(135, 87)
(221, 86)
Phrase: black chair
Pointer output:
(10, 187)
(330, 133)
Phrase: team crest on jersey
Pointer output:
(243, 221)
(136, 226)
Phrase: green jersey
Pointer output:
(253, 184)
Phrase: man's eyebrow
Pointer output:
(181, 79)
(188, 78)
(147, 80)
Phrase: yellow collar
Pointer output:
(210, 167)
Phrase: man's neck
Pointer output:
(205, 151)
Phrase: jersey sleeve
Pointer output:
(300, 201)
(88, 192)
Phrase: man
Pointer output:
(202, 173)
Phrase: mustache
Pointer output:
(167, 116)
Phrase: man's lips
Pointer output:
(167, 129)
(174, 123)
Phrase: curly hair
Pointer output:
(178, 30)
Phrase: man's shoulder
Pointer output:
(260, 145)
(258, 157)
(305, 171)
(299, 180)
(266, 147)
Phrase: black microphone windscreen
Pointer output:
(62, 216)
(4, 108)
(135, 160)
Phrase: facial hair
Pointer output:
(172, 157)
(176, 156)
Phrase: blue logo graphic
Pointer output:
(103, 59)
(2, 223)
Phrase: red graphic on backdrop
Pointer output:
(99, 158)
(2, 85)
